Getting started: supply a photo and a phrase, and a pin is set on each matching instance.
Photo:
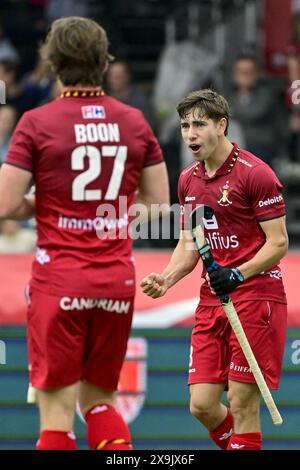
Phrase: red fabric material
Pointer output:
(65, 347)
(223, 432)
(77, 230)
(247, 441)
(56, 440)
(216, 354)
(106, 429)
(243, 192)
(15, 269)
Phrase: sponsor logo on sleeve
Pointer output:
(270, 201)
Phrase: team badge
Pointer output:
(224, 200)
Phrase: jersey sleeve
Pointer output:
(265, 193)
(154, 153)
(22, 149)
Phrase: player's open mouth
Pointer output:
(195, 148)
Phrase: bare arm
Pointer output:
(271, 252)
(14, 183)
(153, 190)
(182, 262)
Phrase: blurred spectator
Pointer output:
(14, 239)
(58, 8)
(8, 120)
(293, 65)
(119, 82)
(20, 96)
(255, 106)
(40, 78)
(7, 50)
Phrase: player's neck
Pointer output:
(81, 87)
(218, 157)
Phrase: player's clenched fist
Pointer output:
(154, 285)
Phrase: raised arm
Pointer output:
(153, 189)
(182, 262)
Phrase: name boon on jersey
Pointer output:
(110, 305)
(92, 132)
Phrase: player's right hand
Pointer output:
(154, 285)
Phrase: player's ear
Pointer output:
(221, 126)
(109, 58)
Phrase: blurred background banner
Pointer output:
(277, 21)
(175, 309)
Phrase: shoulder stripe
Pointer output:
(189, 168)
(241, 160)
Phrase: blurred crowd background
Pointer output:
(248, 50)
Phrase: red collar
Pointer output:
(226, 168)
(82, 93)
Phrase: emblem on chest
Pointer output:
(225, 199)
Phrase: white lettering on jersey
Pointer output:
(244, 162)
(270, 201)
(96, 133)
(239, 368)
(220, 242)
(110, 305)
(98, 223)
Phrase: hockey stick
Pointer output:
(196, 227)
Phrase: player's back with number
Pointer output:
(87, 154)
(90, 156)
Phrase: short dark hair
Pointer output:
(77, 49)
(248, 56)
(208, 102)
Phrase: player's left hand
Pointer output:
(225, 280)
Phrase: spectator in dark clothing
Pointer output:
(255, 107)
(19, 96)
(7, 50)
(119, 83)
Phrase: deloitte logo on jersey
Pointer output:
(270, 201)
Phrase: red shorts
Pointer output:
(71, 339)
(216, 356)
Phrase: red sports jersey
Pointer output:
(243, 192)
(84, 152)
